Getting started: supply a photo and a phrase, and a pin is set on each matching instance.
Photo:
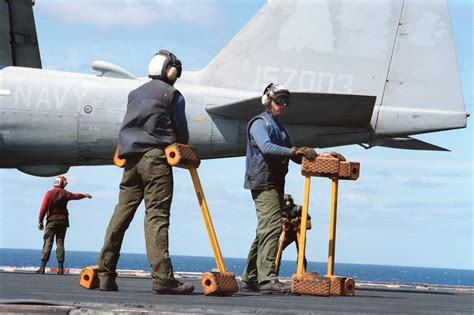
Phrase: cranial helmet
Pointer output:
(276, 92)
(60, 181)
(165, 66)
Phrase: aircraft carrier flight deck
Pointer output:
(22, 292)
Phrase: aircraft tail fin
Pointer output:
(399, 51)
(18, 40)
(311, 46)
(422, 92)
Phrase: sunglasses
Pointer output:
(282, 100)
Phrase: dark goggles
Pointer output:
(282, 100)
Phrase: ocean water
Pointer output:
(77, 259)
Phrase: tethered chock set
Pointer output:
(223, 282)
(308, 282)
(220, 283)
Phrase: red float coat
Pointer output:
(55, 204)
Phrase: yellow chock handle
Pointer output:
(280, 249)
(332, 227)
(297, 238)
(207, 220)
(304, 219)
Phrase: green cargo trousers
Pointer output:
(54, 229)
(147, 177)
(260, 266)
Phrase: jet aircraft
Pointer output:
(374, 78)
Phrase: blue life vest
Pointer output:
(148, 121)
(266, 171)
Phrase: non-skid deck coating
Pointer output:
(24, 292)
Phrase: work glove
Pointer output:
(88, 196)
(336, 155)
(40, 226)
(307, 152)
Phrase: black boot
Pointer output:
(60, 268)
(41, 269)
(172, 287)
(274, 286)
(107, 283)
(249, 286)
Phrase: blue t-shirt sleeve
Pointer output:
(295, 158)
(179, 116)
(258, 131)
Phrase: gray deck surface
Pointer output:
(23, 292)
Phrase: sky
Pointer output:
(408, 208)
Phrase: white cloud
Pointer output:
(357, 200)
(119, 13)
(415, 182)
(71, 60)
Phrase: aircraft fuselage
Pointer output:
(76, 117)
(53, 120)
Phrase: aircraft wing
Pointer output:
(315, 109)
(18, 40)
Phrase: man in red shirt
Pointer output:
(54, 207)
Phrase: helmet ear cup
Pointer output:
(265, 99)
(172, 74)
(266, 96)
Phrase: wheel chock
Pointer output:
(349, 170)
(341, 286)
(183, 156)
(310, 284)
(89, 277)
(349, 287)
(307, 283)
(219, 283)
(330, 167)
(320, 167)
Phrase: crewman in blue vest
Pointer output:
(155, 118)
(269, 149)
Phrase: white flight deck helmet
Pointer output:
(60, 181)
(276, 92)
(165, 66)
